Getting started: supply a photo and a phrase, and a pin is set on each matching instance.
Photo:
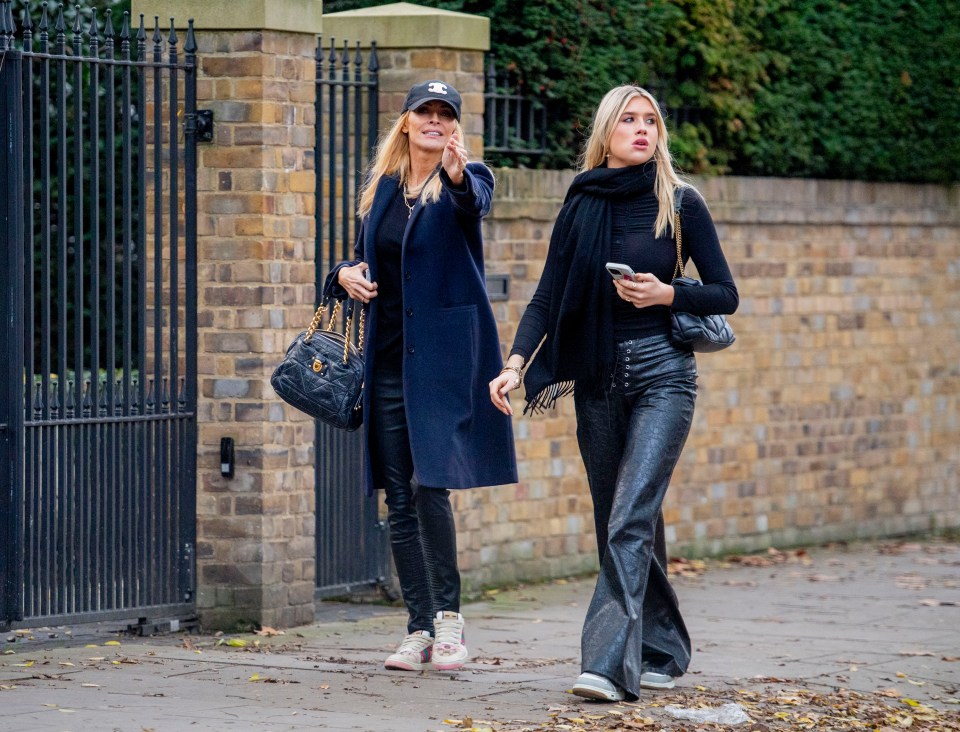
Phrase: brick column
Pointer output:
(255, 532)
(416, 43)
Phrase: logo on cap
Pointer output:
(437, 88)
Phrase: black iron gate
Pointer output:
(351, 543)
(99, 373)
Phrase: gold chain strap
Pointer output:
(317, 318)
(348, 331)
(676, 230)
(333, 317)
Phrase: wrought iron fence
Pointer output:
(351, 540)
(515, 124)
(100, 468)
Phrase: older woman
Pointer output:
(608, 340)
(430, 339)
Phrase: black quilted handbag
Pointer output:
(322, 372)
(689, 332)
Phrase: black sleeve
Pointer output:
(533, 324)
(700, 243)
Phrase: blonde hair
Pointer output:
(595, 152)
(393, 158)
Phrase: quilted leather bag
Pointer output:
(322, 372)
(689, 332)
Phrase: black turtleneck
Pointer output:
(632, 242)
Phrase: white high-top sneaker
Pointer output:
(449, 652)
(413, 653)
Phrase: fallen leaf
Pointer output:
(90, 686)
(255, 677)
(269, 632)
(112, 643)
(916, 653)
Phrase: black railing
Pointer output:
(515, 124)
(103, 469)
(351, 548)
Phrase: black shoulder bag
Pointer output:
(322, 371)
(688, 332)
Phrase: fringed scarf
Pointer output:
(578, 346)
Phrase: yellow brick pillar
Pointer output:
(255, 532)
(415, 43)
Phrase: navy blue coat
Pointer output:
(451, 348)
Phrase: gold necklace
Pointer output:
(410, 206)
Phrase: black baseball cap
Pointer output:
(433, 90)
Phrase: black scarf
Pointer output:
(579, 339)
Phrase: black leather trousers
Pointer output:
(422, 531)
(630, 438)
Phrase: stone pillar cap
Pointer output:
(405, 25)
(296, 16)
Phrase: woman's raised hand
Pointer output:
(354, 281)
(455, 159)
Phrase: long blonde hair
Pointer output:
(595, 152)
(393, 158)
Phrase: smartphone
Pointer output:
(619, 271)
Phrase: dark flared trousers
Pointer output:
(630, 438)
(423, 535)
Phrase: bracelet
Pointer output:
(518, 370)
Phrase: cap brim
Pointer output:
(417, 102)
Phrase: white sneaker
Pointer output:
(594, 686)
(654, 680)
(413, 654)
(449, 652)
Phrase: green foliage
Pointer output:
(820, 88)
(867, 90)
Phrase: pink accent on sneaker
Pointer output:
(449, 651)
(413, 654)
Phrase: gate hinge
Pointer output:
(204, 125)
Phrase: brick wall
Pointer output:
(836, 415)
(255, 548)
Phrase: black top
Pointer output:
(633, 243)
(389, 246)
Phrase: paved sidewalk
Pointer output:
(880, 619)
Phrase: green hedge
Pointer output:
(866, 89)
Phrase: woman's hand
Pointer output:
(644, 290)
(354, 281)
(506, 381)
(454, 159)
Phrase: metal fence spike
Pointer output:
(190, 46)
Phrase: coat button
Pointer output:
(409, 312)
(409, 349)
(406, 276)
